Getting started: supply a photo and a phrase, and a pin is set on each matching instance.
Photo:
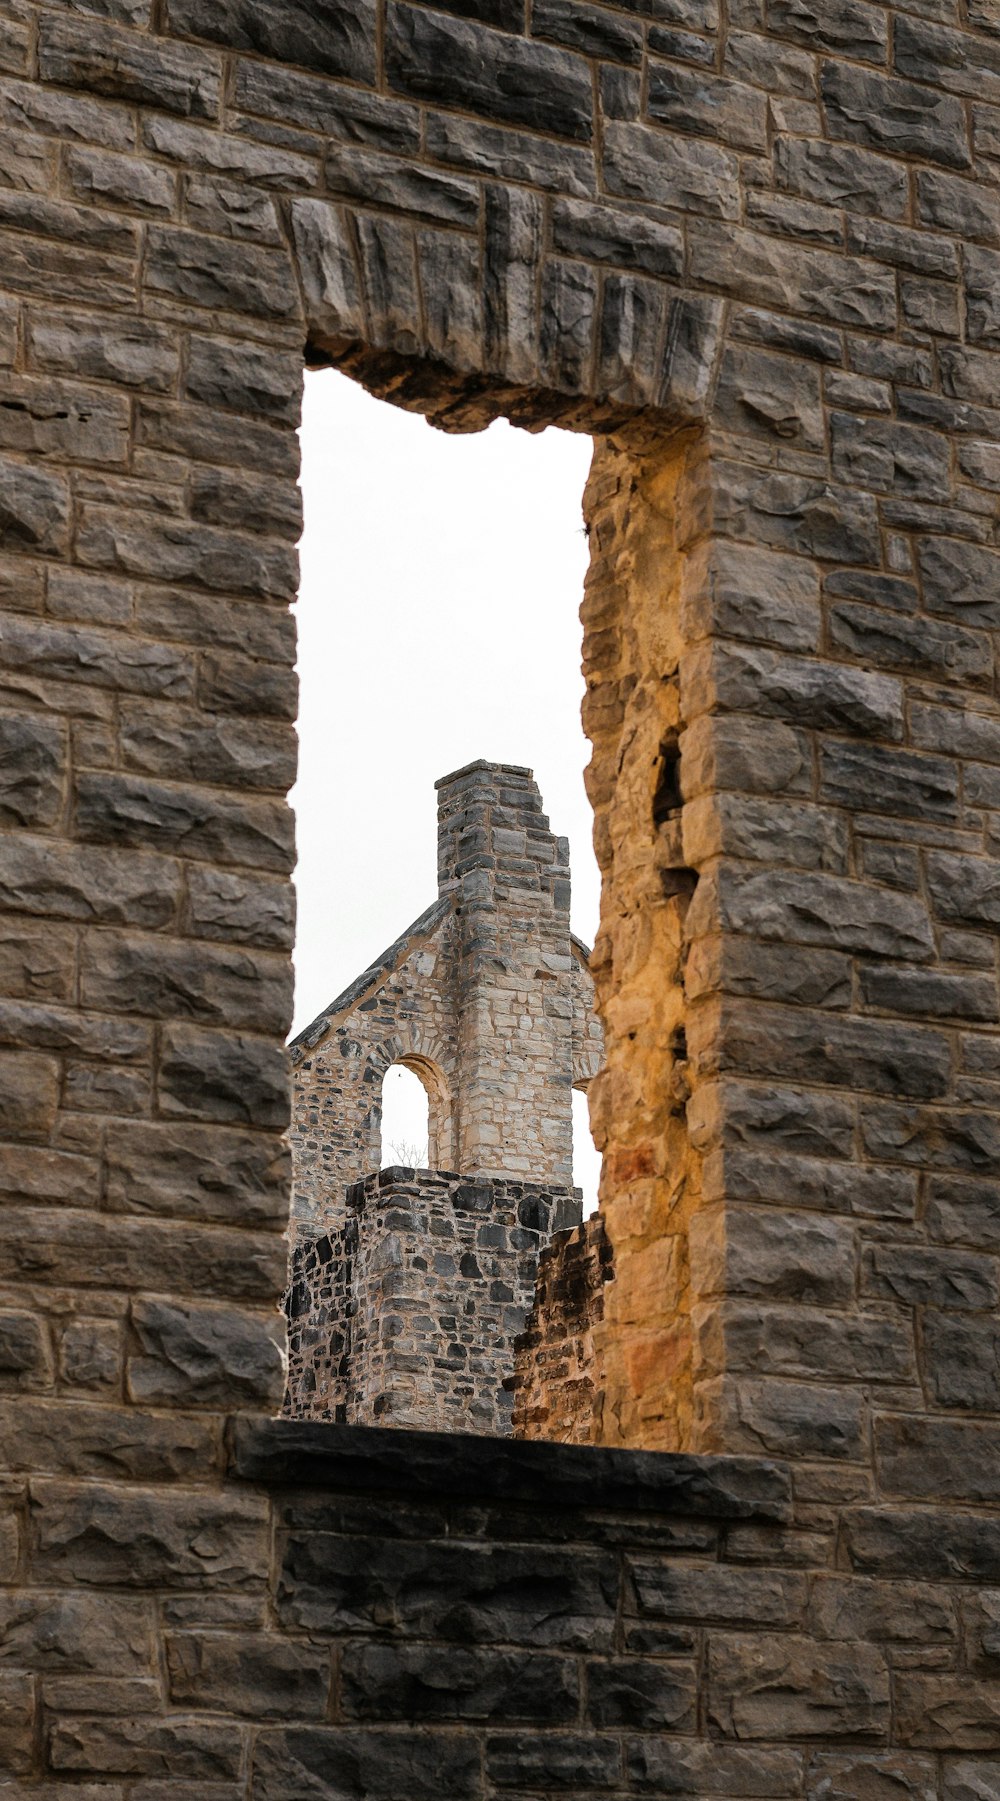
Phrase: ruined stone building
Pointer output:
(752, 249)
(409, 1287)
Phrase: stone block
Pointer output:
(197, 1749)
(811, 978)
(29, 1094)
(204, 1356)
(25, 1358)
(939, 1458)
(254, 1673)
(377, 1765)
(871, 1776)
(34, 509)
(437, 1682)
(802, 691)
(781, 1119)
(63, 1437)
(61, 1633)
(898, 116)
(773, 1687)
(431, 57)
(718, 1595)
(771, 1417)
(815, 909)
(937, 1710)
(842, 176)
(32, 768)
(217, 984)
(920, 1276)
(604, 234)
(198, 821)
(926, 1544)
(184, 745)
(709, 105)
(17, 1722)
(217, 273)
(207, 1173)
(811, 1182)
(807, 1342)
(970, 1779)
(553, 1762)
(939, 1138)
(745, 755)
(316, 36)
(90, 1354)
(661, 1766)
(751, 266)
(134, 352)
(642, 163)
(772, 1255)
(79, 1249)
(651, 1696)
(851, 1608)
(63, 421)
(930, 994)
(129, 66)
(240, 909)
(539, 1597)
(129, 1537)
(234, 1078)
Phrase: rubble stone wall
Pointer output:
(407, 1314)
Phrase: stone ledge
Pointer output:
(307, 1454)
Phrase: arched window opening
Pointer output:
(405, 1120)
(586, 1156)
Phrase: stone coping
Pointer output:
(311, 1454)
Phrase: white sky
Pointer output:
(438, 623)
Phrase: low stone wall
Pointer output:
(407, 1315)
(557, 1390)
(461, 1617)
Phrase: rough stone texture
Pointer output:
(556, 1373)
(408, 1288)
(487, 998)
(407, 1314)
(754, 248)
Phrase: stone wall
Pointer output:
(756, 248)
(487, 998)
(407, 1314)
(557, 1372)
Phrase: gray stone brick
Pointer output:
(320, 36)
(371, 1763)
(431, 57)
(851, 30)
(900, 116)
(891, 781)
(771, 1686)
(205, 1356)
(32, 769)
(431, 1682)
(708, 104)
(641, 163)
(930, 1277)
(128, 66)
(255, 1673)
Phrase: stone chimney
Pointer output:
(507, 877)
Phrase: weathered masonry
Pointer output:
(755, 250)
(408, 1287)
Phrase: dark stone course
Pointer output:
(369, 1460)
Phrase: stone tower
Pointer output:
(409, 1287)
